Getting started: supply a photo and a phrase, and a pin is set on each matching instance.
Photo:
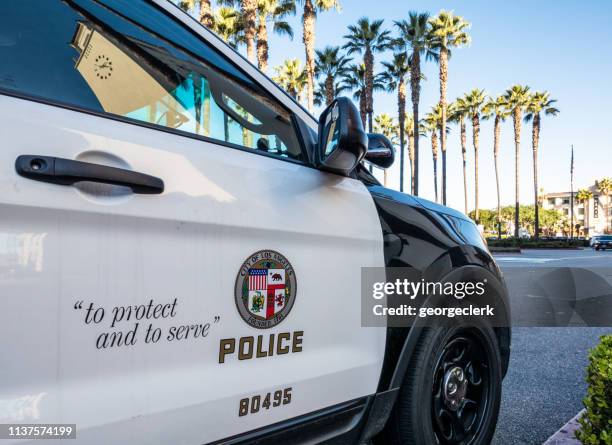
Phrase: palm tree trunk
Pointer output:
(411, 159)
(206, 17)
(401, 117)
(363, 109)
(535, 136)
(415, 87)
(516, 118)
(226, 127)
(197, 101)
(369, 81)
(464, 156)
(434, 151)
(475, 135)
(496, 133)
(329, 89)
(309, 42)
(249, 8)
(262, 44)
(443, 83)
(207, 108)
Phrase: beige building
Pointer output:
(590, 215)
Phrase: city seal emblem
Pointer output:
(265, 289)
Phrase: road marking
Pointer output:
(522, 259)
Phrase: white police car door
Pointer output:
(225, 303)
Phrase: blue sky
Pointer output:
(562, 47)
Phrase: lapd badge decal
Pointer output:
(265, 289)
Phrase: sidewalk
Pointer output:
(565, 435)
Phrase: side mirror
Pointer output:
(342, 141)
(381, 151)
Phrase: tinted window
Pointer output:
(127, 58)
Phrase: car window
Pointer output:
(127, 58)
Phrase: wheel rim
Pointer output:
(460, 396)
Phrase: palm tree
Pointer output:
(496, 108)
(409, 133)
(385, 124)
(331, 65)
(249, 17)
(584, 196)
(272, 12)
(458, 113)
(430, 126)
(517, 98)
(291, 77)
(354, 80)
(394, 77)
(432, 123)
(447, 31)
(474, 101)
(367, 38)
(605, 186)
(309, 16)
(205, 15)
(414, 36)
(228, 25)
(320, 96)
(539, 102)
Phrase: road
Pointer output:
(545, 383)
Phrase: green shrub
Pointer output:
(596, 423)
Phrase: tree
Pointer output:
(394, 77)
(584, 196)
(605, 186)
(430, 126)
(309, 16)
(367, 38)
(386, 125)
(539, 102)
(409, 133)
(228, 25)
(249, 16)
(447, 31)
(474, 101)
(415, 39)
(332, 65)
(517, 98)
(291, 77)
(272, 12)
(496, 108)
(458, 113)
(354, 80)
(205, 15)
(549, 219)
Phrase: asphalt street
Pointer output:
(545, 385)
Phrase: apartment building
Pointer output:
(593, 216)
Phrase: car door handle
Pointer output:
(67, 172)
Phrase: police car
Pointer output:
(181, 246)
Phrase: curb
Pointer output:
(565, 435)
(505, 249)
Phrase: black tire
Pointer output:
(413, 420)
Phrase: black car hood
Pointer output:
(438, 208)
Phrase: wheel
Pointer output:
(452, 390)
